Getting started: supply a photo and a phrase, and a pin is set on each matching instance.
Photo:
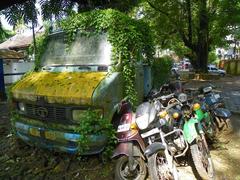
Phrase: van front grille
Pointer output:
(47, 113)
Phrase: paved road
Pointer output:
(229, 88)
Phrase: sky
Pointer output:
(4, 23)
(9, 27)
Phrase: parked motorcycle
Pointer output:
(155, 131)
(194, 132)
(135, 134)
(130, 160)
(215, 105)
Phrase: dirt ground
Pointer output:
(20, 161)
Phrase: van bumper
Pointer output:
(58, 140)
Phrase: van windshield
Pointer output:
(92, 50)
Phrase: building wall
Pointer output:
(16, 67)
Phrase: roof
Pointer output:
(18, 41)
(10, 54)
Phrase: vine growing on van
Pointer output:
(93, 123)
(131, 40)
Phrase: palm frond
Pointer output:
(26, 11)
(57, 8)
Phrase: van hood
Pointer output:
(61, 88)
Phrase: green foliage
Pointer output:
(93, 124)
(161, 69)
(61, 8)
(130, 40)
(180, 49)
(212, 57)
(41, 44)
(4, 34)
(198, 25)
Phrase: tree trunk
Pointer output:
(34, 40)
(202, 43)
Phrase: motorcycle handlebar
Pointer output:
(172, 105)
(165, 97)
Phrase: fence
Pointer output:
(11, 72)
(231, 66)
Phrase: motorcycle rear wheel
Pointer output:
(158, 167)
(202, 160)
(223, 124)
(122, 171)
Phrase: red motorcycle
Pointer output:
(129, 153)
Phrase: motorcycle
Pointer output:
(215, 106)
(137, 135)
(194, 132)
(155, 132)
(130, 160)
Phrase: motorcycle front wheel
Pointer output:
(158, 167)
(202, 160)
(122, 170)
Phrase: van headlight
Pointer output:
(80, 114)
(21, 107)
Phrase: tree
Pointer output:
(27, 12)
(4, 34)
(61, 8)
(199, 24)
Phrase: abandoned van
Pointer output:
(71, 80)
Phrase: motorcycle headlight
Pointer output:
(142, 121)
(162, 121)
(79, 114)
(207, 89)
(145, 115)
(182, 97)
(21, 107)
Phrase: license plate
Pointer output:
(34, 132)
(123, 127)
(217, 96)
(150, 133)
(50, 135)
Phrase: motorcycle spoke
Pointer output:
(163, 169)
